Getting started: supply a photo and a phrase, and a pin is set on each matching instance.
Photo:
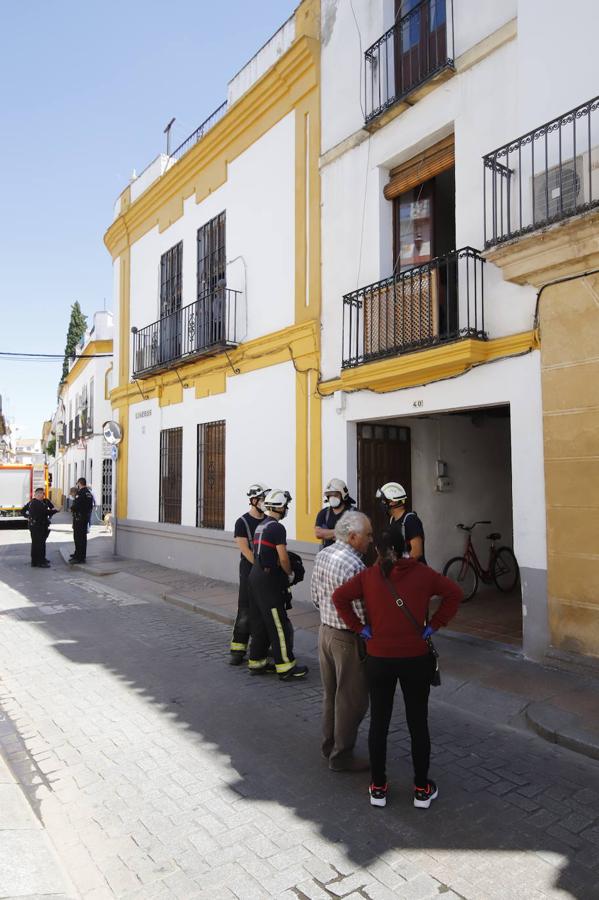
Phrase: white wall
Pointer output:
(258, 198)
(512, 381)
(478, 106)
(253, 452)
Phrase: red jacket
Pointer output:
(393, 634)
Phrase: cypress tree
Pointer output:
(77, 328)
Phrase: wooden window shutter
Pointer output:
(426, 165)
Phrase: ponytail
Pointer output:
(390, 547)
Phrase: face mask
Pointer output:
(334, 502)
(260, 505)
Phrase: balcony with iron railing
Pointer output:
(77, 434)
(432, 304)
(545, 176)
(417, 48)
(204, 327)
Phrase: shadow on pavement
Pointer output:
(500, 790)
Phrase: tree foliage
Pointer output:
(77, 328)
(51, 447)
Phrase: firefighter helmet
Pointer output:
(392, 492)
(336, 486)
(277, 500)
(257, 490)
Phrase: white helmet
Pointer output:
(257, 490)
(277, 500)
(392, 492)
(336, 486)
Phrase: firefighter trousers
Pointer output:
(241, 628)
(269, 621)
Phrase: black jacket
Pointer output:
(39, 512)
(82, 505)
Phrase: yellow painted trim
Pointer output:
(207, 375)
(425, 366)
(124, 308)
(106, 374)
(204, 168)
(81, 364)
(566, 248)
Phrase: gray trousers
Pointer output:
(345, 700)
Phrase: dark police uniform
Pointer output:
(409, 526)
(39, 513)
(245, 527)
(328, 518)
(270, 625)
(81, 507)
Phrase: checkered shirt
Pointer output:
(334, 566)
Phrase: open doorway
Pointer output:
(456, 468)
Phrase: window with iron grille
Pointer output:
(106, 486)
(211, 475)
(171, 264)
(171, 460)
(212, 262)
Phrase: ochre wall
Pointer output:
(569, 321)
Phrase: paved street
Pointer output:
(159, 771)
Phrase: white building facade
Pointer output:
(83, 407)
(430, 357)
(216, 285)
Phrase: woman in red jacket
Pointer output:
(397, 651)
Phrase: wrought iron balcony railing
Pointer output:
(544, 176)
(436, 303)
(412, 51)
(200, 131)
(71, 432)
(77, 427)
(205, 326)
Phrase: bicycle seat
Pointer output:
(494, 536)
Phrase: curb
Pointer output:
(560, 727)
(193, 606)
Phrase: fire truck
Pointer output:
(17, 484)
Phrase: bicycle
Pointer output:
(467, 570)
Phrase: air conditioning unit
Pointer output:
(566, 188)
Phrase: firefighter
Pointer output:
(81, 507)
(39, 512)
(245, 526)
(407, 525)
(271, 575)
(336, 496)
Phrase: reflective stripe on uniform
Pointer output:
(284, 667)
(257, 663)
(281, 633)
(237, 647)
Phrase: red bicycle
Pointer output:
(502, 567)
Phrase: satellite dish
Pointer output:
(112, 432)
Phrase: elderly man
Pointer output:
(340, 652)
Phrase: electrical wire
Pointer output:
(6, 354)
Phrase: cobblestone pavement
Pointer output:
(159, 771)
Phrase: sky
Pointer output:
(86, 89)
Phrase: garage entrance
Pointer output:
(456, 468)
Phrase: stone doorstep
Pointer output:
(544, 718)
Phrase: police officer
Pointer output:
(394, 498)
(39, 511)
(81, 507)
(336, 496)
(270, 577)
(245, 526)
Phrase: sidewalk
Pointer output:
(22, 837)
(491, 681)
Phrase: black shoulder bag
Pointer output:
(435, 675)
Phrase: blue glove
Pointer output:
(428, 632)
(366, 633)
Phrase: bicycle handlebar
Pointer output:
(474, 524)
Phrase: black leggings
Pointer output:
(413, 674)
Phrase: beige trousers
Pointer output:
(345, 700)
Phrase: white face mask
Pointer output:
(334, 502)
(260, 505)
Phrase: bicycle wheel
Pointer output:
(464, 574)
(505, 570)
